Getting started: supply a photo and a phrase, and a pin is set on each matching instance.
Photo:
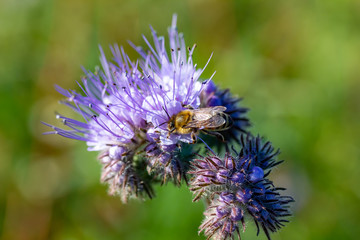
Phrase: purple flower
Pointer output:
(126, 107)
(127, 113)
(236, 185)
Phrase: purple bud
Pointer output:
(105, 160)
(209, 173)
(254, 207)
(116, 167)
(236, 213)
(164, 158)
(226, 197)
(270, 196)
(256, 174)
(238, 177)
(229, 226)
(229, 162)
(222, 175)
(215, 160)
(116, 152)
(207, 176)
(260, 189)
(222, 211)
(243, 196)
(265, 214)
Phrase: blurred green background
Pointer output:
(296, 63)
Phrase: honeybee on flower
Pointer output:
(209, 120)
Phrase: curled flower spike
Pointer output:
(236, 185)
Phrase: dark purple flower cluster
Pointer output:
(237, 186)
(144, 117)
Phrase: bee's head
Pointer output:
(171, 125)
(171, 122)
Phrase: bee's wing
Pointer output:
(208, 121)
(202, 115)
(210, 110)
(213, 122)
(218, 109)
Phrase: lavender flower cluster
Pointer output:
(144, 117)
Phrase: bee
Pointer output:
(209, 120)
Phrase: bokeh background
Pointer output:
(296, 63)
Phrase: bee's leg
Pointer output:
(171, 131)
(193, 136)
(216, 134)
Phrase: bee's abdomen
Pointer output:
(227, 124)
(228, 121)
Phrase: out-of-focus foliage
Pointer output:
(297, 63)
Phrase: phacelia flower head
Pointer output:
(126, 108)
(237, 187)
